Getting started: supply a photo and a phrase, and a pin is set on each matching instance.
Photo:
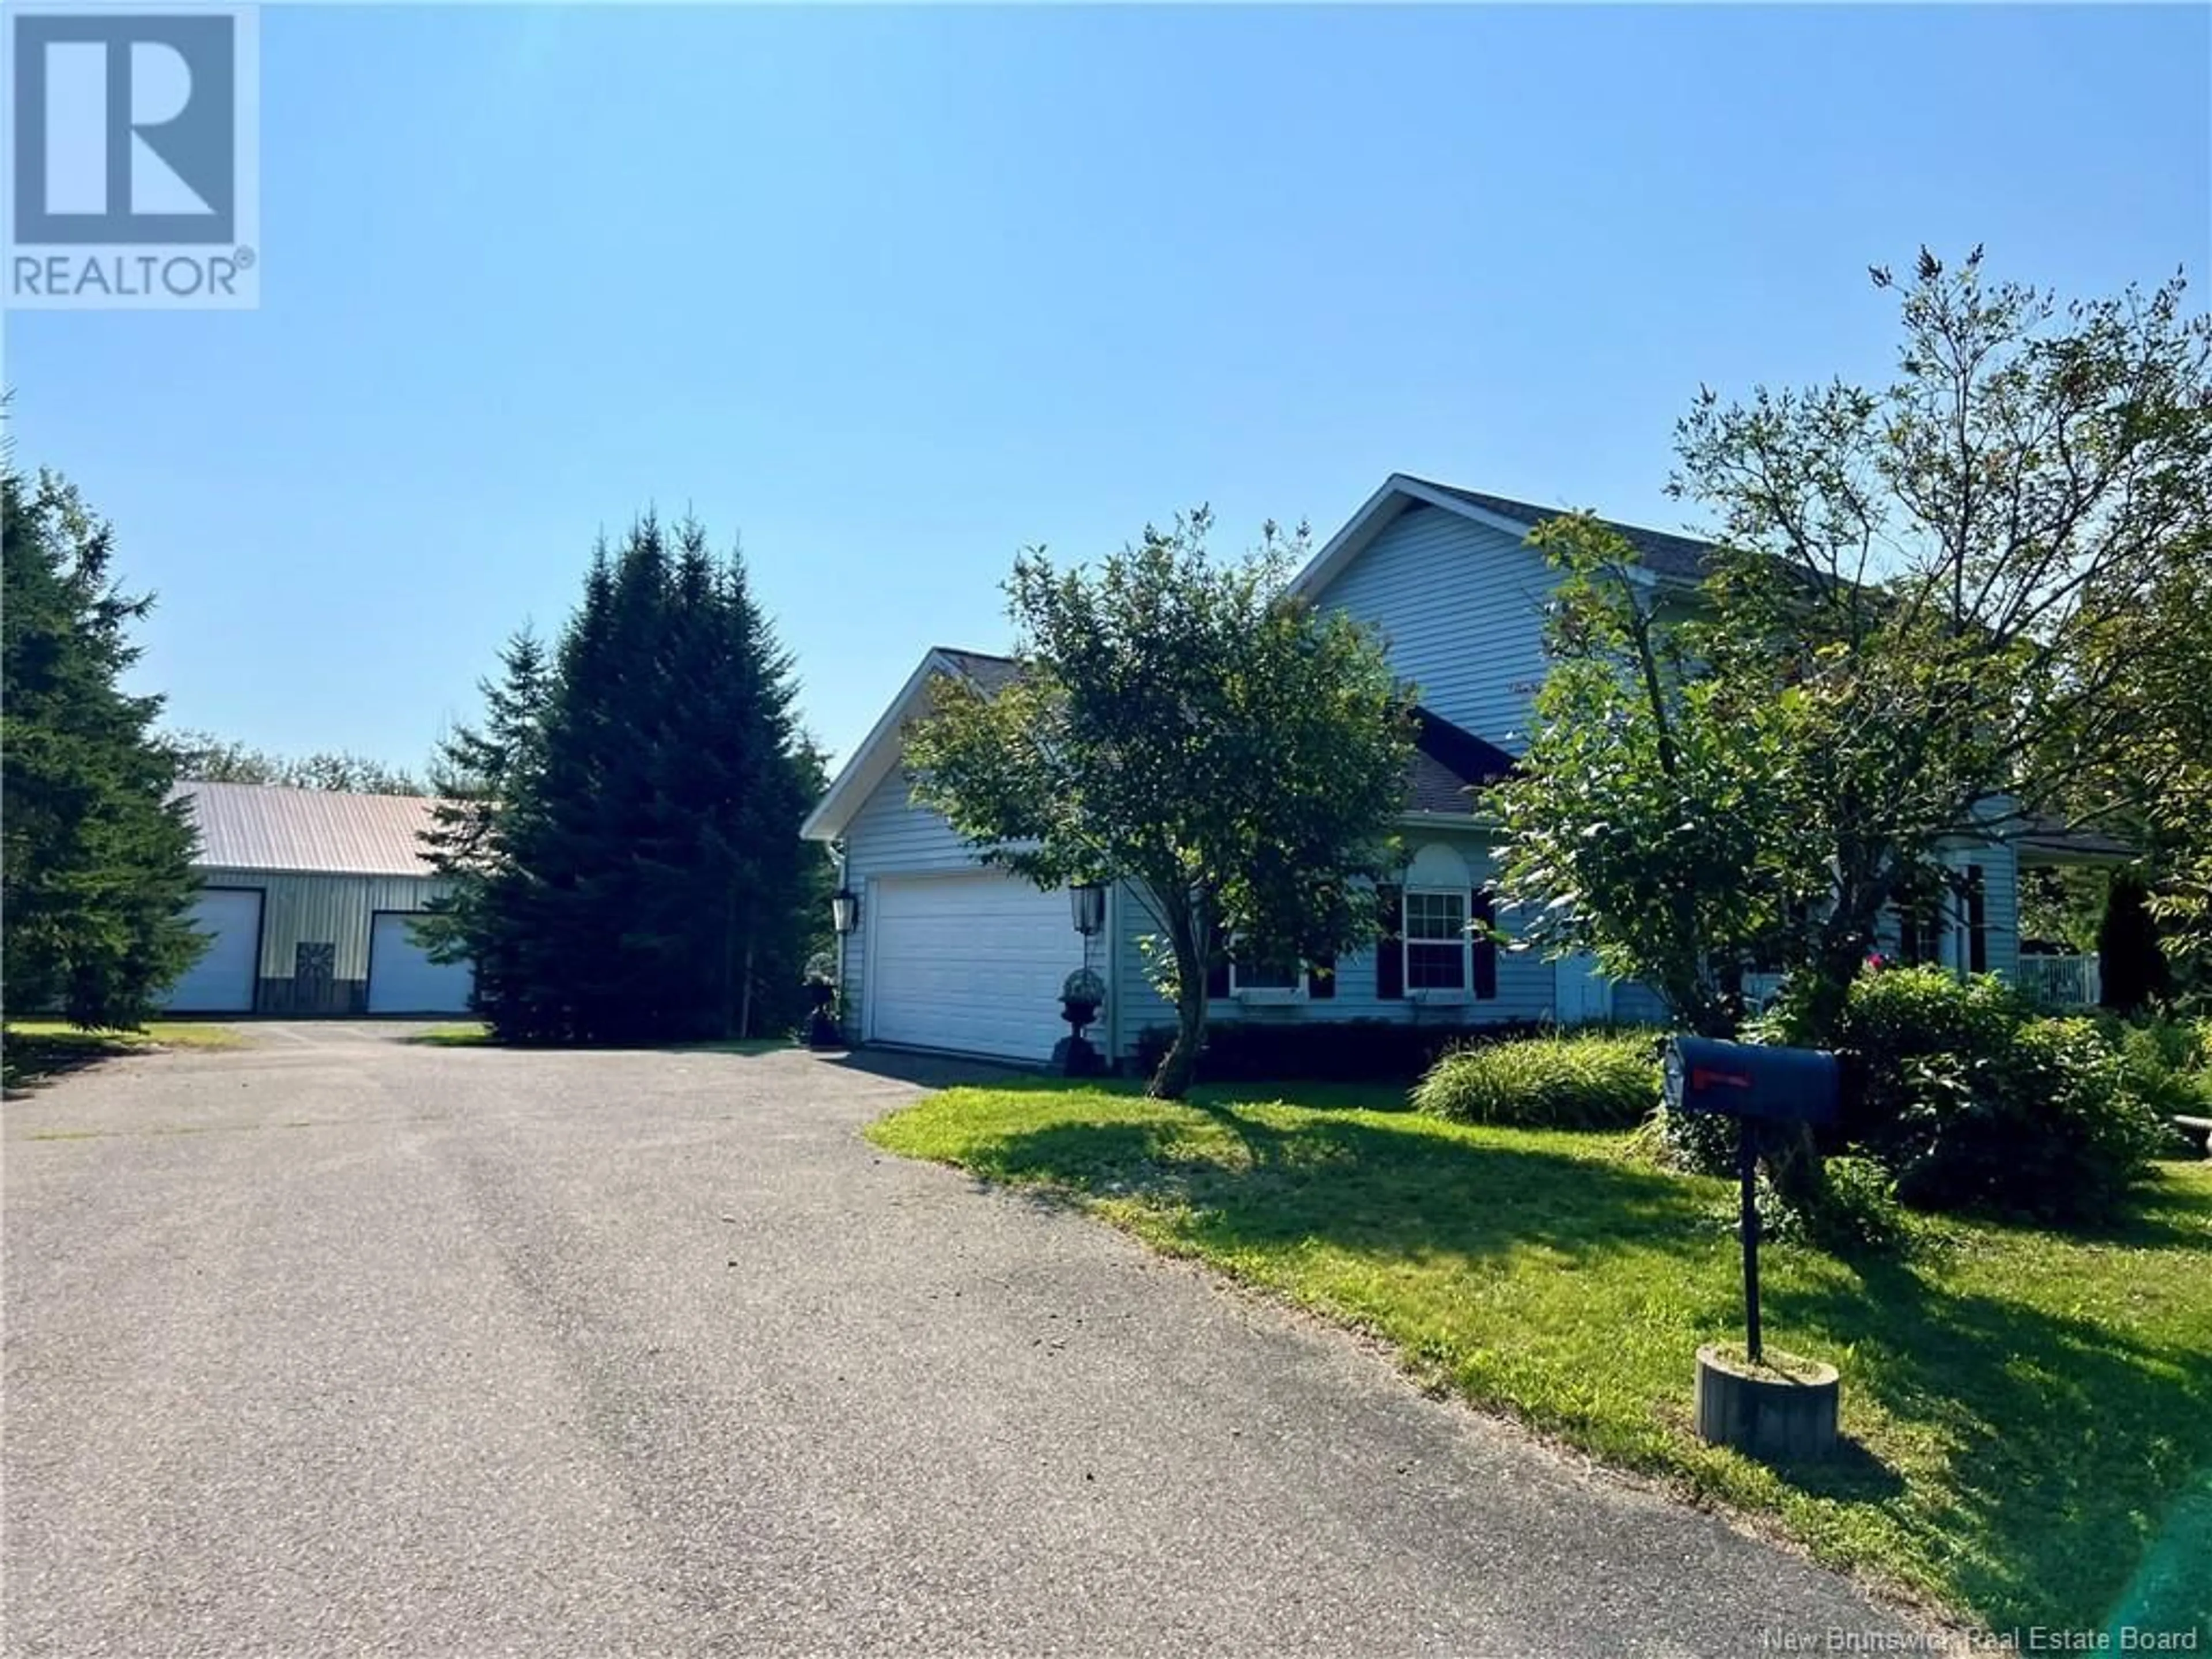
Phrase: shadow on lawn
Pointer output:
(2073, 1451)
(1339, 1180)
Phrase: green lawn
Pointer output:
(31, 1050)
(475, 1035)
(471, 1034)
(2030, 1414)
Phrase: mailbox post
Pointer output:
(1756, 1085)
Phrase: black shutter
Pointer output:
(1389, 955)
(1321, 978)
(1217, 959)
(1908, 933)
(1479, 907)
(1978, 922)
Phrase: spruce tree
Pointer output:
(2131, 966)
(485, 777)
(640, 879)
(98, 873)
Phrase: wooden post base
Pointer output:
(1781, 1411)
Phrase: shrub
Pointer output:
(1320, 1051)
(1582, 1081)
(1896, 1019)
(1970, 1099)
(1859, 1216)
(1699, 1142)
(2048, 1126)
(2168, 1063)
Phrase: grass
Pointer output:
(32, 1051)
(1574, 1079)
(472, 1034)
(2030, 1414)
(476, 1034)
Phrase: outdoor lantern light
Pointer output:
(845, 909)
(1087, 900)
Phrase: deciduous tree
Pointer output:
(1190, 728)
(205, 758)
(1924, 606)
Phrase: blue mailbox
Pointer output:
(1753, 1085)
(1745, 1080)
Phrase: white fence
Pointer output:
(2060, 981)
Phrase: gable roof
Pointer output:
(1681, 556)
(1449, 761)
(879, 751)
(1668, 557)
(988, 672)
(255, 826)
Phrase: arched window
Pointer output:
(1439, 895)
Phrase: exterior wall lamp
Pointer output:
(844, 910)
(1086, 904)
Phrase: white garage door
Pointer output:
(969, 962)
(221, 981)
(402, 978)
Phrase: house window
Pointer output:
(1920, 923)
(1436, 940)
(1280, 978)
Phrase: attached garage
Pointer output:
(402, 978)
(222, 982)
(970, 962)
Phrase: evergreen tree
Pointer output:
(97, 858)
(2131, 966)
(485, 777)
(624, 831)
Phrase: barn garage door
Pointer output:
(971, 964)
(221, 981)
(402, 978)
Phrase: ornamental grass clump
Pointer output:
(1583, 1080)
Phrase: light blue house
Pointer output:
(947, 955)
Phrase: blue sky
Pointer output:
(893, 293)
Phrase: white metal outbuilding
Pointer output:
(306, 898)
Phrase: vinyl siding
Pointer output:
(2000, 909)
(889, 836)
(1526, 983)
(1460, 606)
(1635, 1003)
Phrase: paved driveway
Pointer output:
(341, 1345)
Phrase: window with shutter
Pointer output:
(1437, 942)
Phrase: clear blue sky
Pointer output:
(893, 293)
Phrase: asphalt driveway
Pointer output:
(343, 1345)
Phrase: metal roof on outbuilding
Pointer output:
(252, 826)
